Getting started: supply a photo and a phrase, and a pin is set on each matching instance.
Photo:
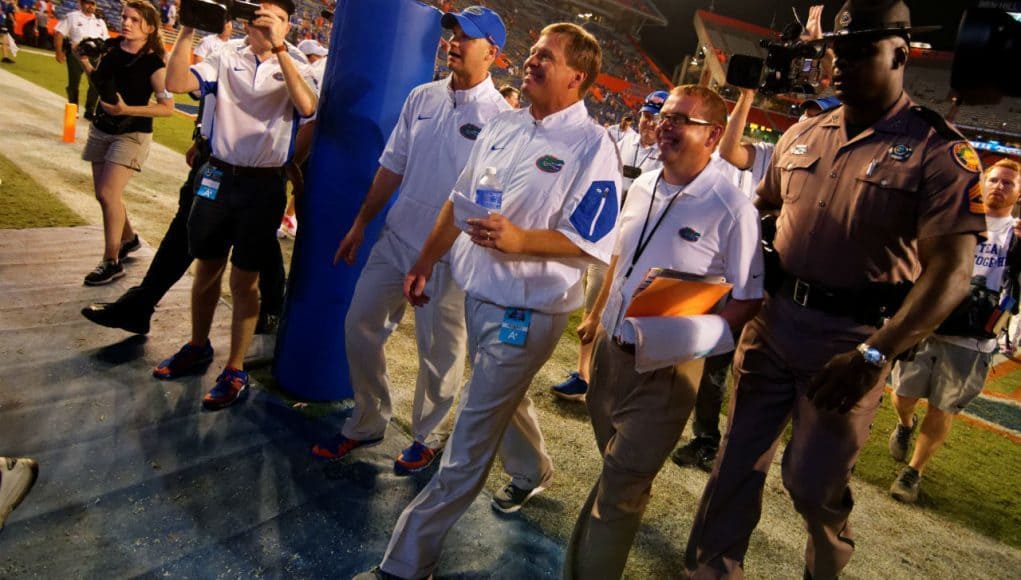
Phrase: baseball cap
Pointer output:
(654, 102)
(478, 22)
(824, 103)
(311, 47)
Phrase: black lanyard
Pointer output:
(638, 147)
(643, 242)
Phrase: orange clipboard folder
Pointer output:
(666, 292)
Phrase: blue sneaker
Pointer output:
(229, 386)
(573, 389)
(187, 361)
(415, 458)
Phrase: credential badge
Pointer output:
(900, 152)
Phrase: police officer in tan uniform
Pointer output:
(890, 191)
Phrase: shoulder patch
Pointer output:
(966, 157)
(470, 131)
(937, 122)
(596, 214)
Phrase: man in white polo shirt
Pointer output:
(686, 217)
(212, 43)
(426, 152)
(74, 27)
(638, 153)
(521, 270)
(261, 93)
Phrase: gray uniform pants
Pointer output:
(780, 351)
(377, 306)
(495, 414)
(637, 419)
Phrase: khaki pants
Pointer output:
(637, 418)
(495, 414)
(377, 306)
(779, 353)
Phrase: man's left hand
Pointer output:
(497, 232)
(842, 382)
(272, 24)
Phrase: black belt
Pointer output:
(237, 170)
(868, 305)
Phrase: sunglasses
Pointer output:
(680, 119)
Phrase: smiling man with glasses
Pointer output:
(686, 217)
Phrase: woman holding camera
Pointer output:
(129, 72)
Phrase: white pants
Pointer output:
(495, 414)
(377, 306)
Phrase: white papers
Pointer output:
(662, 341)
(465, 209)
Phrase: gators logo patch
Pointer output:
(469, 131)
(689, 234)
(278, 76)
(549, 164)
(966, 157)
(975, 203)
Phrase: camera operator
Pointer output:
(890, 191)
(73, 28)
(129, 71)
(240, 195)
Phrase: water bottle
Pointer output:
(489, 192)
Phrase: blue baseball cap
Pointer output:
(478, 22)
(654, 102)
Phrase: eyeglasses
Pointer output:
(680, 119)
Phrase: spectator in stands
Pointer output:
(426, 152)
(512, 95)
(129, 74)
(212, 43)
(950, 367)
(521, 270)
(818, 352)
(8, 48)
(42, 21)
(17, 476)
(74, 27)
(241, 194)
(638, 416)
(639, 153)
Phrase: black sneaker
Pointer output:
(129, 247)
(512, 498)
(900, 439)
(699, 453)
(907, 485)
(107, 271)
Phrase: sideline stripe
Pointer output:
(977, 422)
(1002, 370)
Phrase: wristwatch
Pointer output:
(872, 355)
(278, 49)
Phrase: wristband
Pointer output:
(278, 49)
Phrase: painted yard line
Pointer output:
(978, 422)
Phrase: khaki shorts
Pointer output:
(949, 376)
(128, 149)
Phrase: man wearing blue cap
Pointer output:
(426, 152)
(639, 153)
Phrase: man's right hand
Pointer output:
(414, 283)
(587, 329)
(61, 58)
(348, 248)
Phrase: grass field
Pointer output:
(28, 204)
(43, 70)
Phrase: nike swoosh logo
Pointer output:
(754, 276)
(238, 69)
(423, 118)
(495, 148)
